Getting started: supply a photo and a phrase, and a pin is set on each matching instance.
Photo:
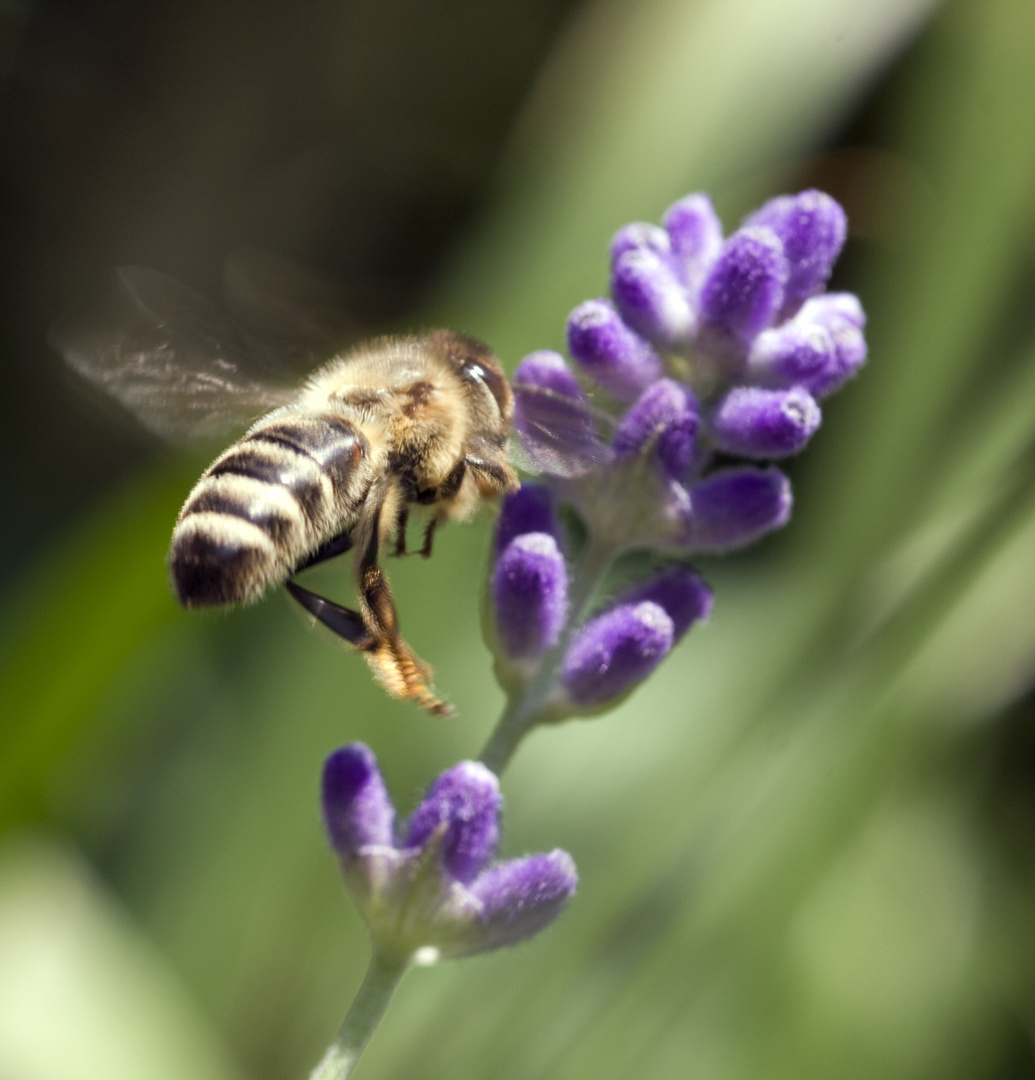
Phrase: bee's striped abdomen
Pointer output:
(290, 484)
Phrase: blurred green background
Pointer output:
(807, 846)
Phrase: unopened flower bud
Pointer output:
(796, 353)
(733, 507)
(695, 234)
(682, 593)
(744, 289)
(551, 414)
(357, 809)
(812, 228)
(621, 361)
(615, 651)
(650, 296)
(522, 896)
(640, 235)
(530, 595)
(841, 316)
(465, 802)
(663, 423)
(759, 423)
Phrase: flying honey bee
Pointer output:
(337, 464)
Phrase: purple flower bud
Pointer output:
(466, 801)
(744, 289)
(615, 651)
(612, 354)
(663, 422)
(812, 228)
(548, 370)
(762, 423)
(695, 233)
(683, 594)
(841, 316)
(795, 353)
(530, 595)
(529, 509)
(841, 305)
(640, 235)
(356, 808)
(551, 413)
(733, 507)
(650, 296)
(522, 896)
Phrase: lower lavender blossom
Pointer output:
(437, 894)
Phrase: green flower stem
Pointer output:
(535, 702)
(378, 985)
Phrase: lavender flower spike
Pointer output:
(695, 236)
(436, 895)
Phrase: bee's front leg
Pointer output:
(493, 478)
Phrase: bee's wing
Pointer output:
(296, 312)
(184, 370)
(559, 434)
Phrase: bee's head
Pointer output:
(476, 365)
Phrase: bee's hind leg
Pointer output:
(343, 621)
(398, 668)
(337, 545)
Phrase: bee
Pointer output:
(337, 464)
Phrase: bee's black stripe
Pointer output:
(300, 478)
(335, 445)
(278, 527)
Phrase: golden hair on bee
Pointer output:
(391, 424)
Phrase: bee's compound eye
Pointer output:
(493, 381)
